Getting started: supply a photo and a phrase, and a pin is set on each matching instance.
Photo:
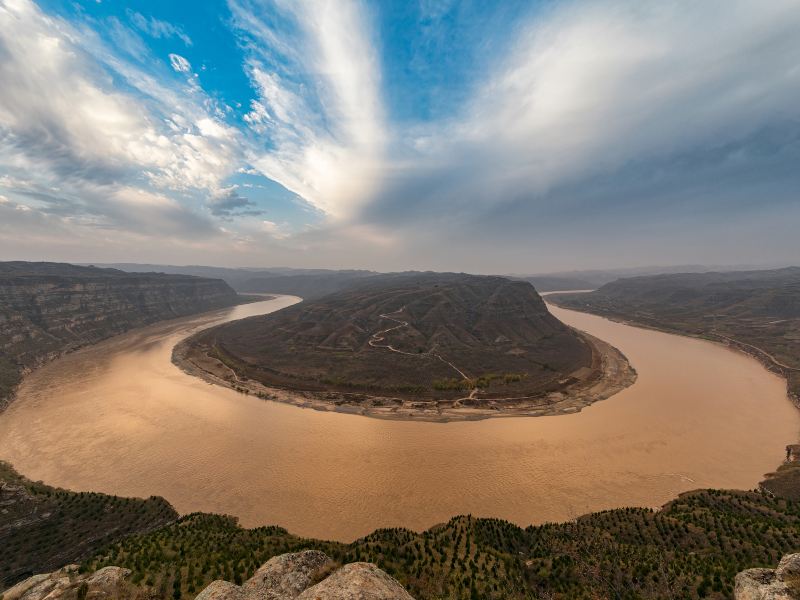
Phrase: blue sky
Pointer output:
(478, 136)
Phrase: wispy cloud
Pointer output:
(319, 98)
(576, 121)
(117, 152)
(179, 63)
(157, 28)
(592, 88)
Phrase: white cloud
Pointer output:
(157, 28)
(61, 118)
(180, 64)
(591, 87)
(275, 230)
(327, 134)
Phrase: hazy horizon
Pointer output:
(514, 137)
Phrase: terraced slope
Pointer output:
(692, 548)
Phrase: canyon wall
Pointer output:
(47, 309)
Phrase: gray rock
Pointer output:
(770, 584)
(221, 590)
(108, 582)
(789, 568)
(357, 581)
(293, 576)
(285, 576)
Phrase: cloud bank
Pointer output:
(596, 127)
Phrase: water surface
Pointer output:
(120, 418)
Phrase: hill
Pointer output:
(47, 309)
(415, 344)
(755, 311)
(690, 548)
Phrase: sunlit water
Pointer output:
(119, 417)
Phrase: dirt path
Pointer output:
(380, 337)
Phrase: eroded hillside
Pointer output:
(451, 341)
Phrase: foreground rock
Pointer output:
(782, 583)
(357, 581)
(108, 582)
(307, 576)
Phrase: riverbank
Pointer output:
(768, 361)
(609, 374)
(784, 480)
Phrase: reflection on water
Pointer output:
(121, 418)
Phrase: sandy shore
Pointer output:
(610, 373)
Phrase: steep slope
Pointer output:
(692, 548)
(453, 340)
(50, 308)
(43, 528)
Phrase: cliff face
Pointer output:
(47, 309)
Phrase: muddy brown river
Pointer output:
(119, 417)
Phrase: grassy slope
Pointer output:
(43, 528)
(692, 548)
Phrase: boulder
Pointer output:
(305, 576)
(66, 583)
(221, 590)
(782, 583)
(357, 581)
(285, 576)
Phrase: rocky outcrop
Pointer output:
(782, 583)
(68, 583)
(287, 575)
(301, 575)
(47, 309)
(357, 581)
(310, 575)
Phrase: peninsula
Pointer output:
(428, 346)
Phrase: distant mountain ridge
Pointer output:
(306, 283)
(47, 309)
(590, 279)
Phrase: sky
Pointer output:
(411, 134)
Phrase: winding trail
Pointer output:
(379, 337)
